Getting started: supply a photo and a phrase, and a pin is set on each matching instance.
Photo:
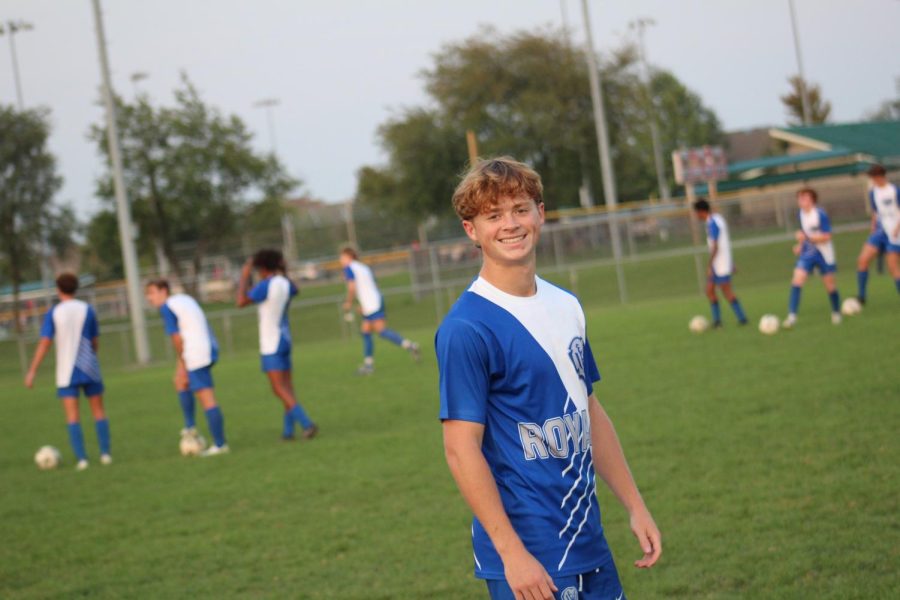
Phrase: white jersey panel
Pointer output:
(722, 264)
(194, 331)
(68, 321)
(271, 314)
(366, 289)
(810, 222)
(886, 203)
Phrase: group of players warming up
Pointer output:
(814, 249)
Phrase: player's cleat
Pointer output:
(414, 351)
(742, 322)
(215, 451)
(861, 300)
(364, 370)
(81, 465)
(105, 459)
(835, 318)
(717, 325)
(311, 432)
(288, 437)
(789, 322)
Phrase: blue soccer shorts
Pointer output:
(811, 263)
(599, 584)
(200, 379)
(280, 361)
(94, 388)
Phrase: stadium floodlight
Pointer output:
(640, 25)
(269, 104)
(804, 92)
(123, 209)
(11, 29)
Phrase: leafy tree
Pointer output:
(819, 108)
(190, 172)
(28, 182)
(527, 95)
(889, 109)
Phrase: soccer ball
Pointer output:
(698, 324)
(768, 325)
(851, 306)
(191, 445)
(47, 458)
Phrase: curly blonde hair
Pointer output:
(489, 180)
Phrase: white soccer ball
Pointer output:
(768, 325)
(851, 306)
(698, 324)
(192, 445)
(47, 458)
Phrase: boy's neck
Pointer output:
(64, 297)
(516, 280)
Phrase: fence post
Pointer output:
(557, 249)
(229, 337)
(125, 353)
(435, 282)
(573, 280)
(23, 353)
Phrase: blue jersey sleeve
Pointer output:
(348, 274)
(712, 229)
(91, 326)
(591, 372)
(872, 201)
(48, 329)
(294, 291)
(260, 291)
(170, 321)
(824, 222)
(464, 366)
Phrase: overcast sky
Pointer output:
(341, 67)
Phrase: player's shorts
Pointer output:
(599, 584)
(816, 261)
(94, 388)
(892, 248)
(879, 239)
(280, 361)
(719, 279)
(200, 379)
(377, 315)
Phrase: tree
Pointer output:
(889, 109)
(28, 182)
(527, 95)
(190, 172)
(819, 108)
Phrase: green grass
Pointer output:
(770, 463)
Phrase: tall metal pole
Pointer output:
(126, 227)
(609, 184)
(804, 93)
(661, 181)
(269, 104)
(15, 26)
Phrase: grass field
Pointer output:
(770, 463)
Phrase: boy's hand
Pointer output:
(247, 268)
(647, 533)
(29, 379)
(800, 236)
(527, 577)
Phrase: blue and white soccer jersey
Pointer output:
(523, 368)
(884, 201)
(367, 294)
(72, 324)
(182, 315)
(273, 297)
(717, 232)
(878, 238)
(816, 256)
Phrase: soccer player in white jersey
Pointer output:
(524, 435)
(884, 198)
(361, 285)
(814, 250)
(720, 267)
(73, 325)
(272, 295)
(197, 351)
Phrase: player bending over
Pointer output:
(524, 435)
(197, 351)
(720, 268)
(273, 296)
(361, 285)
(883, 197)
(814, 250)
(73, 324)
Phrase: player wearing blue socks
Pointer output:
(73, 325)
(524, 435)
(883, 198)
(814, 250)
(197, 351)
(361, 286)
(720, 267)
(272, 295)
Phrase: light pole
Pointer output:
(609, 184)
(804, 94)
(123, 208)
(640, 26)
(11, 29)
(269, 104)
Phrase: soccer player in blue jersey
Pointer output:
(883, 198)
(73, 325)
(272, 295)
(197, 351)
(814, 250)
(720, 267)
(361, 286)
(524, 435)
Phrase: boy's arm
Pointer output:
(243, 299)
(39, 353)
(351, 293)
(610, 464)
(462, 447)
